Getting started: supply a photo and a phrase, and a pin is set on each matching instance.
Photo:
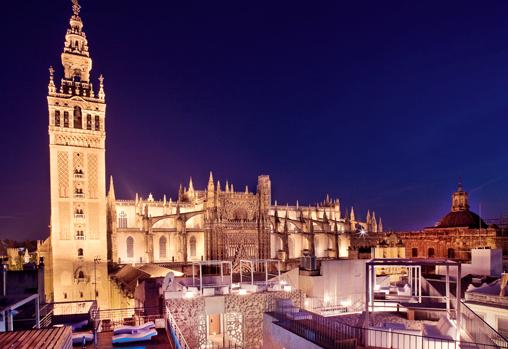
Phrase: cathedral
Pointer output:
(93, 232)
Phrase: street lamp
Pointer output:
(96, 261)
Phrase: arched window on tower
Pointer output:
(451, 253)
(162, 247)
(89, 122)
(97, 123)
(66, 119)
(130, 247)
(192, 245)
(122, 220)
(80, 252)
(430, 252)
(414, 252)
(57, 118)
(78, 118)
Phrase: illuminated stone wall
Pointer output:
(190, 315)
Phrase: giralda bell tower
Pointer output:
(78, 263)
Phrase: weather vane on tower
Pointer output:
(76, 7)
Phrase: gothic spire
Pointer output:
(211, 186)
(111, 192)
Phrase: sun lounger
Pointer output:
(134, 337)
(134, 329)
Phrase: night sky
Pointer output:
(383, 104)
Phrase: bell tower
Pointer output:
(460, 199)
(78, 250)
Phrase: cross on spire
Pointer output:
(76, 7)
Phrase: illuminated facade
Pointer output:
(223, 224)
(77, 248)
(90, 229)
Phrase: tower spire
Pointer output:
(76, 7)
(111, 193)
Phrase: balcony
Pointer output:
(79, 195)
(79, 237)
(79, 215)
(79, 175)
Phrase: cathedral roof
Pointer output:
(464, 218)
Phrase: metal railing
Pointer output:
(174, 331)
(332, 306)
(108, 319)
(479, 330)
(332, 334)
(471, 323)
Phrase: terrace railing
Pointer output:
(332, 334)
(479, 330)
(175, 332)
(472, 324)
(108, 319)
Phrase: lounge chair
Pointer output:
(80, 337)
(134, 329)
(134, 337)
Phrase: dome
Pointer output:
(464, 218)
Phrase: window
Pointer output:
(81, 294)
(162, 247)
(66, 119)
(65, 295)
(80, 235)
(414, 252)
(122, 220)
(502, 325)
(431, 252)
(130, 247)
(81, 275)
(97, 123)
(192, 244)
(57, 118)
(78, 119)
(78, 173)
(78, 193)
(89, 122)
(451, 253)
(80, 254)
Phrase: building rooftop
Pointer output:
(461, 219)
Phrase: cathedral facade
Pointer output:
(219, 223)
(91, 230)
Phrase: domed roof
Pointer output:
(463, 218)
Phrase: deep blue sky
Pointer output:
(381, 103)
